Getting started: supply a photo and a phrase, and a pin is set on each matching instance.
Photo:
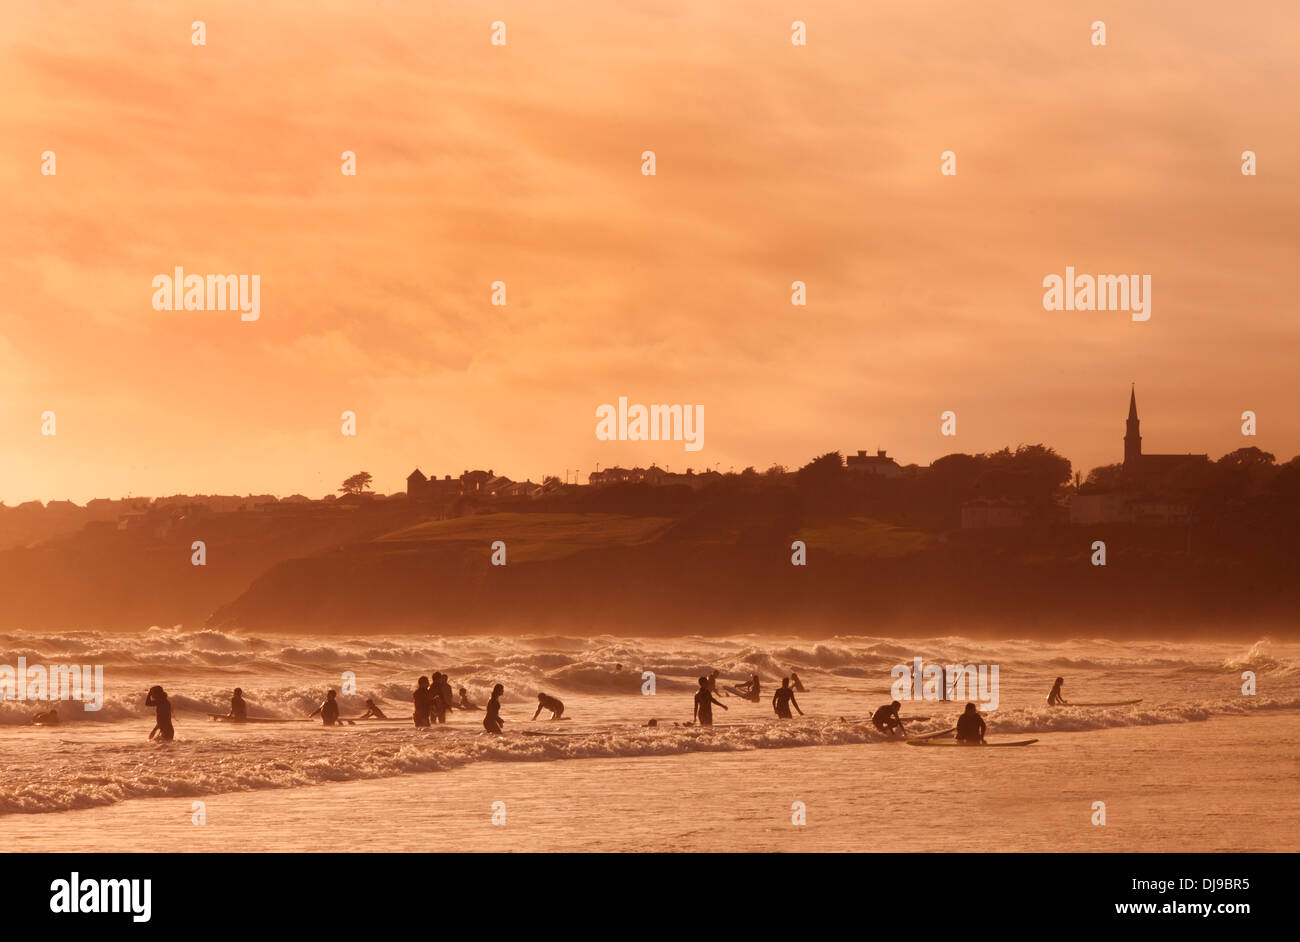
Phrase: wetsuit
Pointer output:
(552, 704)
(444, 691)
(493, 722)
(238, 709)
(164, 720)
(781, 701)
(704, 707)
(329, 712)
(1054, 698)
(422, 699)
(886, 719)
(970, 727)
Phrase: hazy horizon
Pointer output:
(522, 164)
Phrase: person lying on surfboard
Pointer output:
(704, 701)
(546, 702)
(886, 719)
(749, 690)
(795, 682)
(493, 721)
(238, 709)
(48, 718)
(329, 710)
(1054, 698)
(971, 726)
(372, 712)
(783, 699)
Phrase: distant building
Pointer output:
(1139, 466)
(879, 464)
(431, 490)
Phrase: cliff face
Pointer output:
(987, 583)
(709, 569)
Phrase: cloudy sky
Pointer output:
(522, 163)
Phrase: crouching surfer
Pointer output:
(887, 720)
(546, 702)
(971, 726)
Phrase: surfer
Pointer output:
(465, 702)
(48, 718)
(372, 712)
(442, 688)
(157, 698)
(423, 699)
(547, 702)
(704, 701)
(798, 684)
(1054, 698)
(749, 690)
(886, 719)
(713, 682)
(238, 709)
(437, 705)
(329, 710)
(783, 699)
(971, 726)
(493, 721)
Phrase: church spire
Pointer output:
(1132, 436)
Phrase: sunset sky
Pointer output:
(522, 163)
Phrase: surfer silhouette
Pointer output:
(783, 699)
(749, 690)
(157, 698)
(329, 710)
(971, 726)
(886, 718)
(493, 721)
(1054, 698)
(422, 697)
(704, 702)
(48, 718)
(547, 702)
(372, 712)
(238, 709)
(796, 682)
(465, 702)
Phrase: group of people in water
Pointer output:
(432, 700)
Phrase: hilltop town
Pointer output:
(1001, 535)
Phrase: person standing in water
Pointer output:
(423, 700)
(493, 721)
(704, 702)
(329, 710)
(1054, 698)
(465, 702)
(157, 698)
(437, 706)
(794, 680)
(971, 726)
(547, 702)
(238, 708)
(783, 699)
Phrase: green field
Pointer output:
(863, 536)
(535, 537)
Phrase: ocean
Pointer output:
(1196, 765)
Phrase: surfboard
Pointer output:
(942, 732)
(224, 718)
(953, 742)
(1111, 703)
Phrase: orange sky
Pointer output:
(522, 163)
